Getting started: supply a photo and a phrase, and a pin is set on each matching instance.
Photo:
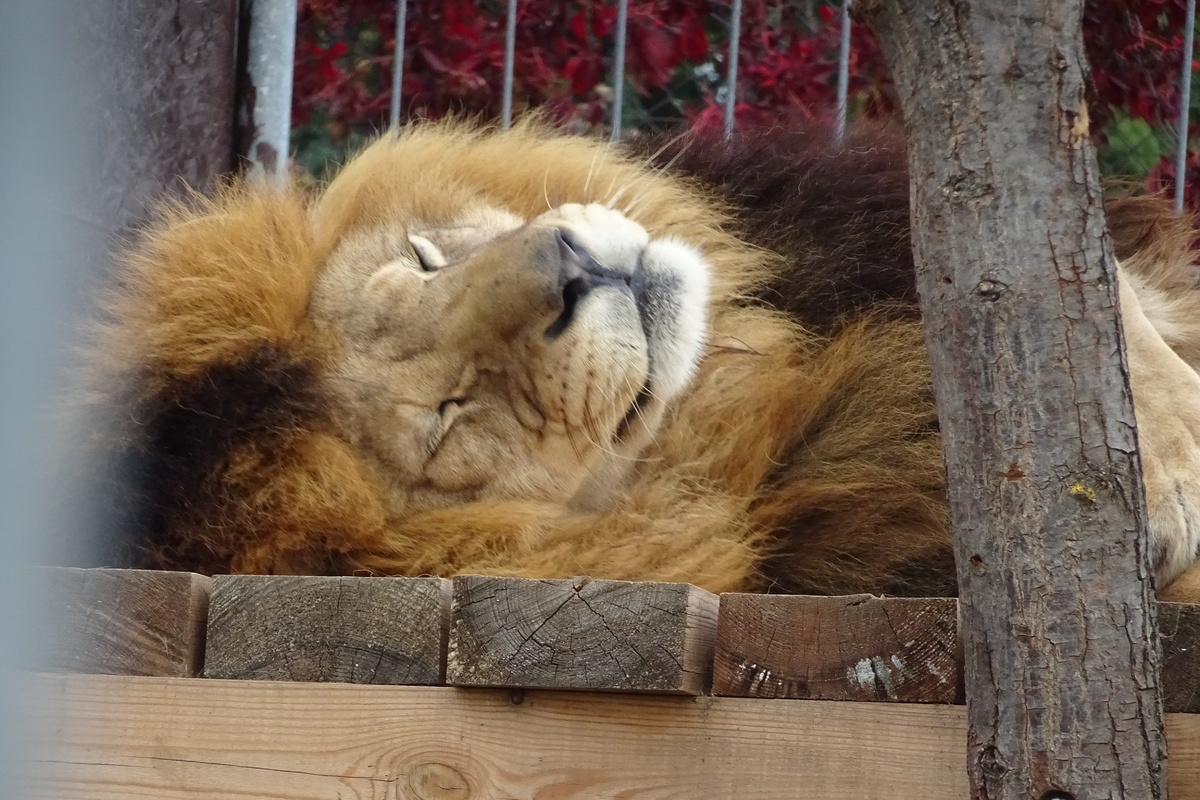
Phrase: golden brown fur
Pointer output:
(802, 456)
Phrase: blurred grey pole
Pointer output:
(510, 50)
(1185, 100)
(106, 104)
(843, 80)
(398, 60)
(49, 149)
(618, 98)
(265, 105)
(735, 37)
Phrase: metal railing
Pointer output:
(271, 41)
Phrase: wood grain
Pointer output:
(580, 634)
(352, 630)
(856, 647)
(1179, 635)
(119, 622)
(105, 738)
(159, 119)
(167, 99)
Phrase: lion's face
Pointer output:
(485, 354)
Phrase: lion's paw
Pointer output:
(1172, 477)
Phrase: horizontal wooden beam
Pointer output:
(114, 738)
(313, 628)
(1179, 635)
(564, 634)
(857, 647)
(119, 621)
(581, 634)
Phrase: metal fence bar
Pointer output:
(398, 60)
(510, 49)
(1185, 98)
(843, 80)
(735, 36)
(618, 99)
(271, 47)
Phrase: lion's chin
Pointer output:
(671, 288)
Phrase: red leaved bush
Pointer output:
(675, 62)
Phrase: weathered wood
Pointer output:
(350, 630)
(158, 116)
(104, 738)
(1179, 630)
(1019, 296)
(165, 107)
(858, 647)
(581, 634)
(119, 622)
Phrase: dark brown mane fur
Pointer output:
(839, 213)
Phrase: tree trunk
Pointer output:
(1018, 289)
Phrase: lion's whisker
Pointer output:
(637, 409)
(725, 348)
(612, 201)
(632, 206)
(667, 167)
(587, 182)
(682, 135)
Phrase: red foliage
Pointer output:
(454, 58)
(675, 58)
(1136, 50)
(1162, 179)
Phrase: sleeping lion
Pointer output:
(518, 353)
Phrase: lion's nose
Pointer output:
(579, 273)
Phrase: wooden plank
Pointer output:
(119, 622)
(857, 647)
(581, 634)
(105, 738)
(1179, 634)
(352, 630)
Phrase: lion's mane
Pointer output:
(804, 458)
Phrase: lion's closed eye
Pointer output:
(451, 406)
(447, 414)
(428, 255)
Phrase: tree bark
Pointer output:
(1019, 295)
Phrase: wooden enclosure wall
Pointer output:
(511, 688)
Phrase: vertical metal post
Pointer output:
(843, 80)
(398, 60)
(265, 105)
(735, 40)
(53, 147)
(1185, 100)
(510, 49)
(618, 98)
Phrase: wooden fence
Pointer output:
(505, 688)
